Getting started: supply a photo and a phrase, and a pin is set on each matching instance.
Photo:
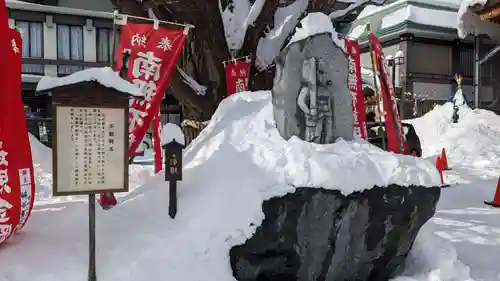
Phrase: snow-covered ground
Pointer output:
(137, 240)
(473, 153)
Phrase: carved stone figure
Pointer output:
(310, 95)
(316, 102)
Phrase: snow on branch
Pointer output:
(285, 20)
(237, 17)
(188, 80)
(353, 5)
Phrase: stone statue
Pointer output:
(316, 102)
(310, 95)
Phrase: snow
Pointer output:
(171, 132)
(354, 5)
(136, 238)
(191, 82)
(442, 14)
(237, 17)
(316, 23)
(469, 23)
(102, 75)
(462, 218)
(42, 164)
(285, 21)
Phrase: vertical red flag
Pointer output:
(396, 141)
(17, 186)
(236, 76)
(356, 88)
(147, 55)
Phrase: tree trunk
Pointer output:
(206, 47)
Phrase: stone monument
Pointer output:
(310, 95)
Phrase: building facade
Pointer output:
(425, 31)
(59, 40)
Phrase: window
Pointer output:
(32, 45)
(69, 47)
(104, 44)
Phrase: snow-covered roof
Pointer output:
(315, 23)
(470, 23)
(21, 5)
(434, 14)
(31, 78)
(102, 75)
(171, 132)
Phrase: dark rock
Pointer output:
(322, 235)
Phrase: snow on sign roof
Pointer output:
(316, 23)
(102, 75)
(171, 132)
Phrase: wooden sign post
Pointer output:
(173, 172)
(90, 146)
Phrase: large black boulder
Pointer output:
(316, 234)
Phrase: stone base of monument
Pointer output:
(322, 235)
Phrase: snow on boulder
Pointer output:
(337, 193)
(102, 75)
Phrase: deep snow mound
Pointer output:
(237, 162)
(244, 125)
(472, 142)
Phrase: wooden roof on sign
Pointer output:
(490, 11)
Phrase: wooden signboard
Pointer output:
(90, 140)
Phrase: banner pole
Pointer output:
(375, 88)
(113, 50)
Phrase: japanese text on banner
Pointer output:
(355, 87)
(237, 76)
(15, 150)
(146, 57)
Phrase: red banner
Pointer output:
(146, 57)
(355, 86)
(150, 56)
(396, 141)
(17, 186)
(237, 76)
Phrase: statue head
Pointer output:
(458, 79)
(322, 74)
(309, 71)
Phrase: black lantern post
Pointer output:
(173, 172)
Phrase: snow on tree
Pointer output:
(225, 29)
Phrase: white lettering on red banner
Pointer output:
(165, 44)
(139, 40)
(5, 206)
(237, 76)
(355, 87)
(15, 48)
(148, 54)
